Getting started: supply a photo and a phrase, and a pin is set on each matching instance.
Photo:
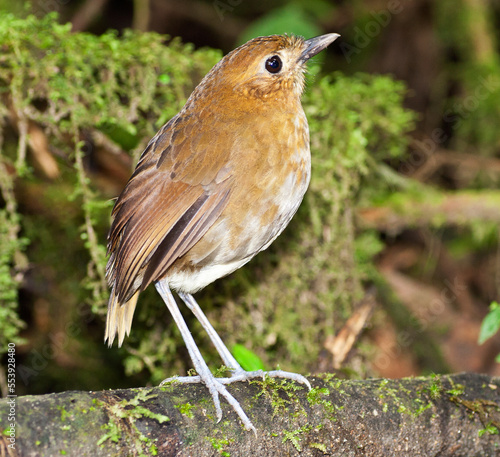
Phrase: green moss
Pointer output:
(219, 444)
(122, 420)
(490, 428)
(12, 258)
(64, 414)
(401, 398)
(457, 390)
(314, 397)
(436, 388)
(281, 393)
(294, 436)
(319, 446)
(185, 409)
(327, 377)
(113, 432)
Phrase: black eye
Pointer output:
(274, 64)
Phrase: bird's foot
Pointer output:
(242, 375)
(217, 386)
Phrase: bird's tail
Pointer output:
(119, 318)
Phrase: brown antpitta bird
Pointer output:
(214, 187)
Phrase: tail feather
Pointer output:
(119, 318)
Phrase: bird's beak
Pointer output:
(316, 45)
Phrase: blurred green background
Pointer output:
(392, 262)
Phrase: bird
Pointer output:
(214, 187)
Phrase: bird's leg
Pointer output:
(225, 354)
(237, 372)
(214, 386)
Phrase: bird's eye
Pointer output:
(274, 64)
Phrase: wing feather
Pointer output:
(177, 192)
(144, 231)
(185, 234)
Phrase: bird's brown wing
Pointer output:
(170, 202)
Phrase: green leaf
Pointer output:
(491, 323)
(247, 358)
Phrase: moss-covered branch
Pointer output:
(433, 209)
(447, 415)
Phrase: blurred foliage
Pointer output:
(290, 18)
(11, 262)
(473, 113)
(490, 325)
(78, 87)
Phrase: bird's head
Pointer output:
(268, 67)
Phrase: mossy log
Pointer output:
(456, 415)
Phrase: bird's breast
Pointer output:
(270, 168)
